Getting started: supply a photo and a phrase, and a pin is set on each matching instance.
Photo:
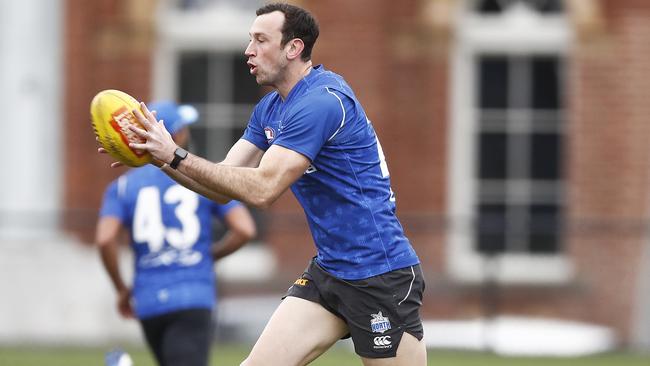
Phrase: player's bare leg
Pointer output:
(297, 333)
(410, 352)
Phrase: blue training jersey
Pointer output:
(171, 235)
(346, 191)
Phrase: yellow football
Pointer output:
(111, 115)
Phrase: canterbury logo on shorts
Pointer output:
(382, 342)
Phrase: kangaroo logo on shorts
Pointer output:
(379, 323)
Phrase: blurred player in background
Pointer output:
(170, 230)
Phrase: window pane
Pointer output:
(245, 88)
(198, 5)
(489, 6)
(199, 139)
(518, 151)
(491, 230)
(498, 6)
(192, 78)
(191, 4)
(545, 76)
(547, 6)
(546, 156)
(493, 88)
(544, 229)
(492, 159)
(236, 133)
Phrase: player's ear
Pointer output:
(295, 48)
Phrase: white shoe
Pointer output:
(118, 357)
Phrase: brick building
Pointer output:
(516, 134)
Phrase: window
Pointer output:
(499, 6)
(220, 86)
(196, 5)
(519, 155)
(507, 178)
(200, 60)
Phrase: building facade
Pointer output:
(516, 134)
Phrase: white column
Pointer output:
(31, 46)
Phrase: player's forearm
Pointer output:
(193, 185)
(109, 260)
(250, 185)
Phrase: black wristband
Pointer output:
(179, 155)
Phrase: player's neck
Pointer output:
(295, 72)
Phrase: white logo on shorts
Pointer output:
(382, 342)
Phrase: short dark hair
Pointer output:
(298, 23)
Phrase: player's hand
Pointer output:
(117, 164)
(124, 304)
(101, 150)
(159, 142)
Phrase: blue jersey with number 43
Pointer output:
(346, 191)
(171, 234)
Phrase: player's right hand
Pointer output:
(124, 306)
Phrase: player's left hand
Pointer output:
(101, 150)
(159, 142)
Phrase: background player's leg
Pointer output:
(187, 339)
(298, 332)
(154, 331)
(410, 352)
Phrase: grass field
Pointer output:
(232, 355)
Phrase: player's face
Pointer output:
(266, 57)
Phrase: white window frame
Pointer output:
(218, 28)
(517, 31)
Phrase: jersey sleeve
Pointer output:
(312, 122)
(112, 205)
(221, 211)
(254, 132)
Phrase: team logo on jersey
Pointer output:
(311, 169)
(269, 132)
(379, 323)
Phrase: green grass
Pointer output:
(338, 356)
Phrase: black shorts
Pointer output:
(181, 337)
(378, 310)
